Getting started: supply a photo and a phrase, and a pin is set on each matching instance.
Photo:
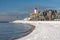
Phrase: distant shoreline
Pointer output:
(4, 21)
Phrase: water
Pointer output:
(10, 31)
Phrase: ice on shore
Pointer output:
(44, 31)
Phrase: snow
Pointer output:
(27, 19)
(44, 30)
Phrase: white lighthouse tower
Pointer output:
(35, 10)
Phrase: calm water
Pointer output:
(9, 31)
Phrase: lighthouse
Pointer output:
(35, 10)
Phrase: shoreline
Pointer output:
(28, 32)
(43, 30)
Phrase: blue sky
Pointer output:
(25, 5)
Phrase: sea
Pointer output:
(11, 31)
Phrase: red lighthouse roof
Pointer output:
(36, 8)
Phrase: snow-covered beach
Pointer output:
(44, 30)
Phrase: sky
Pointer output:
(21, 7)
(25, 5)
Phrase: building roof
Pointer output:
(34, 14)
